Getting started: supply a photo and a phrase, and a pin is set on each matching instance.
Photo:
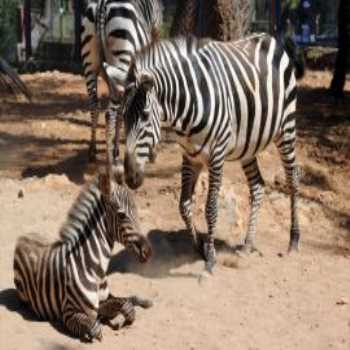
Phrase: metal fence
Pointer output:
(310, 22)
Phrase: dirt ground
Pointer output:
(257, 303)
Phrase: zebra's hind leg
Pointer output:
(211, 209)
(286, 148)
(189, 176)
(256, 188)
(82, 326)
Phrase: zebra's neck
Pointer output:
(173, 86)
(86, 227)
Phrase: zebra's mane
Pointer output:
(81, 213)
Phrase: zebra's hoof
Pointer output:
(248, 249)
(144, 303)
(294, 241)
(209, 256)
(293, 247)
(94, 333)
(203, 277)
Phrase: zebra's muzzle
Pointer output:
(140, 247)
(133, 174)
(134, 182)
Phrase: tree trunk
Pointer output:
(217, 19)
(185, 18)
(338, 81)
(27, 28)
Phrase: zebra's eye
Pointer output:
(121, 216)
(145, 115)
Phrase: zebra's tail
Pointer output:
(296, 55)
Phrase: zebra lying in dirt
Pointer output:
(66, 280)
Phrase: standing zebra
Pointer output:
(67, 280)
(224, 101)
(113, 31)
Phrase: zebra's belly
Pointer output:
(243, 150)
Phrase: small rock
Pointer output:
(20, 194)
(342, 301)
(280, 255)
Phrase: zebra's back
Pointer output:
(246, 89)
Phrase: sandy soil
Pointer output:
(271, 302)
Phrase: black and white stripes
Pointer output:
(224, 101)
(67, 280)
(113, 31)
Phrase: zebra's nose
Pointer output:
(134, 181)
(133, 175)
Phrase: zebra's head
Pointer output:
(122, 218)
(142, 130)
(142, 116)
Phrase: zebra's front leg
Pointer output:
(114, 169)
(215, 178)
(189, 176)
(94, 113)
(256, 188)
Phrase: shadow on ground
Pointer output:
(74, 167)
(171, 250)
(10, 300)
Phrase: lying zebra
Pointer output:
(66, 280)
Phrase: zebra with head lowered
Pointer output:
(224, 101)
(113, 31)
(67, 280)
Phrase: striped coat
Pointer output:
(113, 31)
(66, 280)
(225, 101)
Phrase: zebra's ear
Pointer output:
(146, 80)
(103, 184)
(112, 75)
(130, 86)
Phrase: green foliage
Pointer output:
(8, 22)
(290, 4)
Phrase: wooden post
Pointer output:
(27, 28)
